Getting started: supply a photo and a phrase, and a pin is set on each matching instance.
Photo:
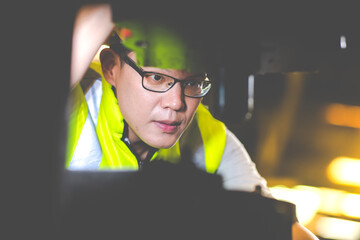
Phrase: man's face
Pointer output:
(158, 119)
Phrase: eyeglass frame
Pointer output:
(142, 73)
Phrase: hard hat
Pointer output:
(161, 45)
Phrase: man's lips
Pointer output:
(167, 126)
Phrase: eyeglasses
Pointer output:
(194, 86)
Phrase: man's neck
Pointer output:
(141, 149)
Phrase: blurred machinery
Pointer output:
(304, 128)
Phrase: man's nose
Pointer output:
(174, 98)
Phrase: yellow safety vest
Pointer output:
(110, 126)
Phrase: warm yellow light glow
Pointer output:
(307, 200)
(343, 170)
(310, 201)
(96, 58)
(331, 200)
(350, 205)
(334, 228)
(343, 115)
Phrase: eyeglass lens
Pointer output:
(194, 87)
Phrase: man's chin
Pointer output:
(164, 145)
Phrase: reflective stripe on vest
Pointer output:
(109, 128)
(213, 136)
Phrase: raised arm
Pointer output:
(92, 26)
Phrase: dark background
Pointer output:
(270, 39)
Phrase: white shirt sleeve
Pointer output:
(237, 170)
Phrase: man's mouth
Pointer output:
(167, 126)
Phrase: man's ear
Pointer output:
(108, 59)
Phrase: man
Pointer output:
(149, 109)
(147, 106)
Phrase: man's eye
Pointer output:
(156, 77)
(193, 83)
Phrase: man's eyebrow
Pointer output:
(167, 71)
(155, 69)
